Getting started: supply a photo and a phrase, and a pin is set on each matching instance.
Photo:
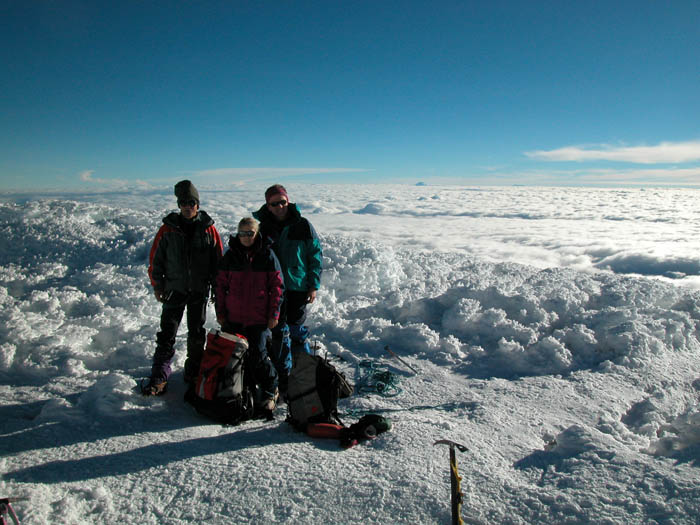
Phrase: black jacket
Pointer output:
(185, 254)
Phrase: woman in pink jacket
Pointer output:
(249, 291)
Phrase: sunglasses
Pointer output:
(281, 204)
(247, 234)
(190, 203)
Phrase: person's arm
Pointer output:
(275, 288)
(221, 290)
(217, 252)
(314, 264)
(156, 264)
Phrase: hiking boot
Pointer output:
(270, 403)
(155, 387)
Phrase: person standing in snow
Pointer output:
(248, 298)
(298, 249)
(182, 267)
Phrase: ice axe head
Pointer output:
(452, 444)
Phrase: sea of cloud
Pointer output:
(643, 231)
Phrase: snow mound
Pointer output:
(502, 320)
(112, 396)
(681, 437)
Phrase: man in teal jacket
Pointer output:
(298, 249)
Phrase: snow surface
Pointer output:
(555, 334)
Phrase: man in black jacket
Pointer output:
(182, 268)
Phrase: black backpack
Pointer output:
(223, 390)
(313, 391)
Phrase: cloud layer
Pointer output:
(273, 172)
(663, 153)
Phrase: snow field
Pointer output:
(575, 391)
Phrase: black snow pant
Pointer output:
(170, 319)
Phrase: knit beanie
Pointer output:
(277, 189)
(185, 191)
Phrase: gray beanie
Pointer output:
(185, 191)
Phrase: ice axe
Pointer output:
(392, 354)
(455, 480)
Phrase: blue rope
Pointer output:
(373, 380)
(377, 381)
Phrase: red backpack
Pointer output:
(222, 390)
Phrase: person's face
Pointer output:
(188, 208)
(278, 206)
(247, 234)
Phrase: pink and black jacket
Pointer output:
(249, 284)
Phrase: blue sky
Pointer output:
(144, 93)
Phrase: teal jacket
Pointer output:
(296, 244)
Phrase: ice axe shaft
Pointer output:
(392, 354)
(455, 480)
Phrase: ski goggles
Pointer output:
(189, 203)
(275, 204)
(246, 233)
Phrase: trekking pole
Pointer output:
(6, 508)
(391, 353)
(455, 480)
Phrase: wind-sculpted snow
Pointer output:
(575, 391)
(501, 320)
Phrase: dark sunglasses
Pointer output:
(281, 204)
(247, 234)
(191, 203)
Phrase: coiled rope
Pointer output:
(375, 380)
